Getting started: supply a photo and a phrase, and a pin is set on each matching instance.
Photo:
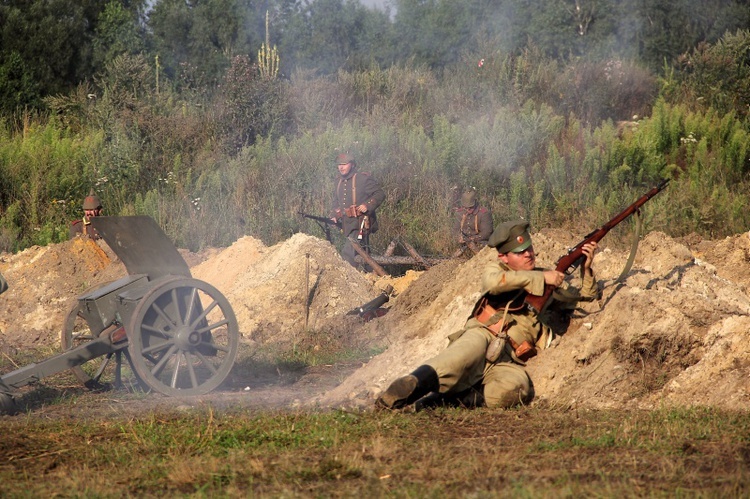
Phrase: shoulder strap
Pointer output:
(354, 189)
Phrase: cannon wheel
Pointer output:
(183, 337)
(99, 373)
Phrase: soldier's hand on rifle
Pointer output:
(588, 250)
(553, 277)
(362, 209)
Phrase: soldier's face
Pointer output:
(525, 260)
(345, 169)
(92, 213)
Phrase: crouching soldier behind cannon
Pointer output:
(484, 362)
(92, 207)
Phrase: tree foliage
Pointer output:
(551, 110)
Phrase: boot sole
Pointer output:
(397, 395)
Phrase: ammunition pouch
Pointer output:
(524, 351)
(492, 319)
(351, 211)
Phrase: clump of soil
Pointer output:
(672, 332)
(299, 284)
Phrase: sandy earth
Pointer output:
(674, 332)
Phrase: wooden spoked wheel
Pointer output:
(183, 337)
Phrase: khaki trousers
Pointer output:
(462, 365)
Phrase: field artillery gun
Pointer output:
(179, 334)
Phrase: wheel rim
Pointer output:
(183, 337)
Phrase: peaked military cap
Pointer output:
(510, 237)
(344, 158)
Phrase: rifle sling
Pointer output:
(633, 247)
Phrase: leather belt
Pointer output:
(491, 318)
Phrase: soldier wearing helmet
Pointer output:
(472, 225)
(355, 200)
(92, 207)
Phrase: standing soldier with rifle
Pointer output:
(355, 200)
(473, 224)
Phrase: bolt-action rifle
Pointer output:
(574, 257)
(324, 223)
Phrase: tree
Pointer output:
(117, 32)
(202, 36)
(51, 41)
(328, 35)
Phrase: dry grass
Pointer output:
(529, 452)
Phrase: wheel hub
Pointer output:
(186, 338)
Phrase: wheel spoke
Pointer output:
(157, 331)
(155, 348)
(176, 371)
(160, 365)
(215, 346)
(191, 304)
(206, 362)
(102, 367)
(191, 370)
(176, 303)
(163, 314)
(208, 309)
(212, 326)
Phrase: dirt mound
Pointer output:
(44, 282)
(672, 332)
(278, 292)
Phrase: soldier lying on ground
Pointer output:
(484, 362)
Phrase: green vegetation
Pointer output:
(526, 452)
(167, 113)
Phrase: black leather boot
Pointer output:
(408, 389)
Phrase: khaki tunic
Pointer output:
(462, 365)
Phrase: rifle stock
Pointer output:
(573, 258)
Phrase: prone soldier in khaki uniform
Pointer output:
(484, 362)
(473, 224)
(355, 200)
(92, 207)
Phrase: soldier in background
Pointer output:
(472, 225)
(355, 200)
(92, 207)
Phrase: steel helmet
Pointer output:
(92, 201)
